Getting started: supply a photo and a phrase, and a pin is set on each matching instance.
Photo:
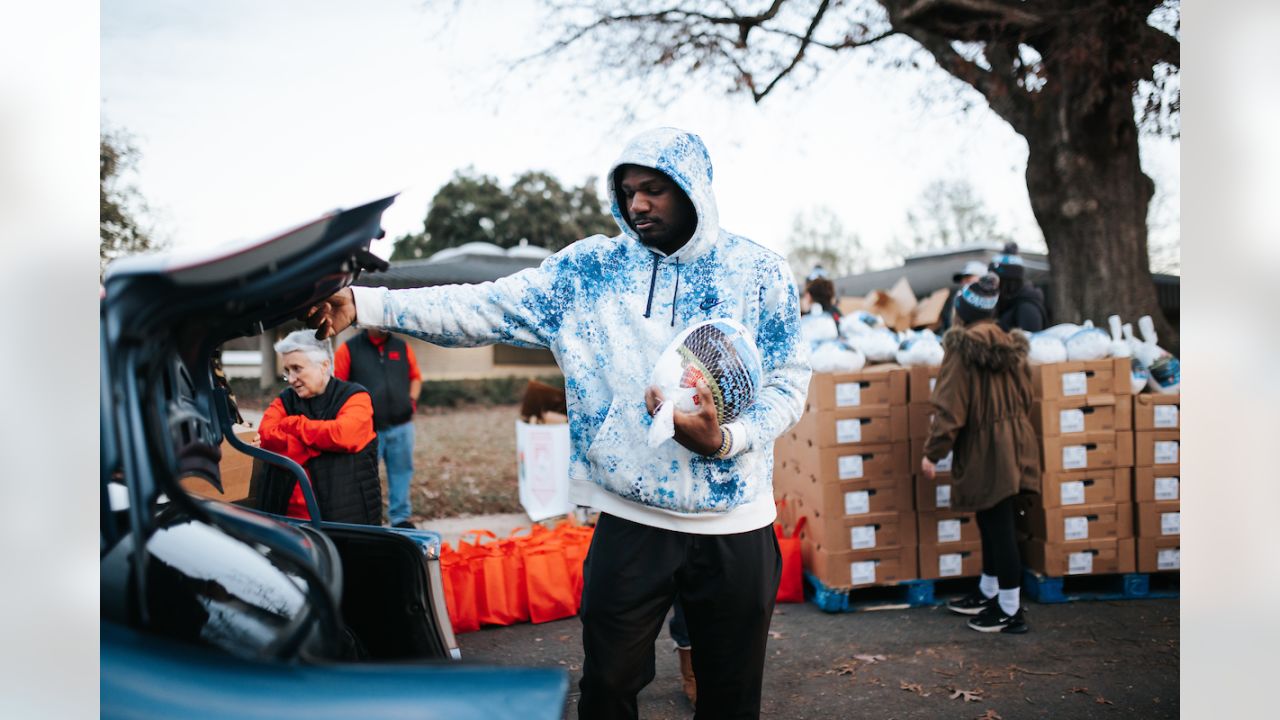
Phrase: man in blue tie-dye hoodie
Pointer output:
(692, 517)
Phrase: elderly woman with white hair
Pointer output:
(326, 426)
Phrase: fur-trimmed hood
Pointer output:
(985, 345)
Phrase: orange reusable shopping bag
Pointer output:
(513, 570)
(547, 580)
(492, 605)
(576, 540)
(459, 590)
(791, 586)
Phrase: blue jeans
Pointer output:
(395, 448)
(679, 631)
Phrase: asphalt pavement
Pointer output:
(1080, 660)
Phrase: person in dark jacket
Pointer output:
(326, 426)
(1021, 303)
(385, 366)
(982, 404)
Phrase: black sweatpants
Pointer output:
(1000, 544)
(726, 584)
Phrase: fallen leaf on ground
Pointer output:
(869, 659)
(775, 634)
(846, 669)
(966, 695)
(1102, 701)
(913, 687)
(989, 715)
(1081, 690)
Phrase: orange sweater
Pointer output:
(300, 438)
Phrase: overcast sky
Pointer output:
(252, 116)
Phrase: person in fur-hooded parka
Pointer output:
(982, 404)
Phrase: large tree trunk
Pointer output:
(1087, 188)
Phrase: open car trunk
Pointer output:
(365, 592)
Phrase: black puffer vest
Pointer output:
(385, 375)
(346, 484)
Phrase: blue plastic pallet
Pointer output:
(1123, 586)
(908, 593)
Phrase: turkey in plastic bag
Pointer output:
(1088, 343)
(1166, 374)
(1119, 348)
(1045, 349)
(860, 322)
(878, 345)
(817, 326)
(919, 348)
(1139, 376)
(836, 356)
(1061, 331)
(722, 353)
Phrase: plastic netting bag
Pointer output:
(722, 353)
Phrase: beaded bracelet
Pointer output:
(726, 443)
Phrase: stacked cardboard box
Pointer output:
(844, 467)
(1157, 481)
(1082, 522)
(949, 541)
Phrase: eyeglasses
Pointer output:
(291, 373)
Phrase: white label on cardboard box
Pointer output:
(1071, 421)
(848, 394)
(1166, 416)
(942, 496)
(1072, 492)
(1170, 523)
(1166, 488)
(1166, 452)
(857, 502)
(849, 467)
(862, 537)
(1074, 457)
(849, 431)
(1074, 383)
(944, 465)
(1080, 563)
(1075, 528)
(863, 572)
(948, 531)
(933, 381)
(1168, 558)
(950, 564)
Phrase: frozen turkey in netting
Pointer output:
(722, 353)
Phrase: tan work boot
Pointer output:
(687, 679)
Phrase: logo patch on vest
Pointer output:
(394, 355)
(710, 302)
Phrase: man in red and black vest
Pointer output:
(385, 366)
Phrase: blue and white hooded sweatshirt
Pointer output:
(607, 307)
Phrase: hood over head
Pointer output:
(984, 345)
(681, 156)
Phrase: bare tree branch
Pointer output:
(966, 19)
(1001, 94)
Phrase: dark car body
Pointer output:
(211, 609)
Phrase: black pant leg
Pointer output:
(628, 584)
(1000, 542)
(727, 590)
(984, 520)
